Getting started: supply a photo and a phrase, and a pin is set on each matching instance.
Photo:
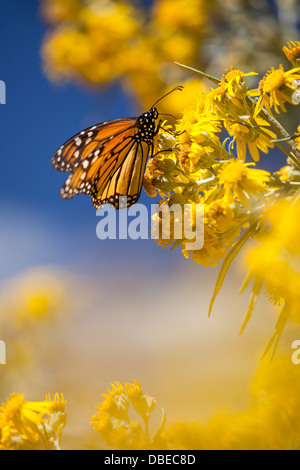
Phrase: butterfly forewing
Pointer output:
(76, 149)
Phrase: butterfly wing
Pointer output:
(126, 181)
(80, 146)
(99, 166)
(108, 160)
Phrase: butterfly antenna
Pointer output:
(179, 88)
(165, 114)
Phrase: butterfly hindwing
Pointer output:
(125, 182)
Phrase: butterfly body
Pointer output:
(108, 161)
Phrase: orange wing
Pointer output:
(126, 181)
(99, 166)
(78, 148)
(108, 160)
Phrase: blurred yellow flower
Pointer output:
(141, 402)
(77, 50)
(38, 295)
(99, 41)
(115, 426)
(57, 11)
(289, 174)
(277, 253)
(297, 139)
(176, 14)
(271, 422)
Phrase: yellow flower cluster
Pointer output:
(99, 41)
(113, 421)
(270, 423)
(194, 166)
(198, 168)
(32, 425)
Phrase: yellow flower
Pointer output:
(276, 88)
(243, 183)
(23, 425)
(204, 130)
(256, 138)
(116, 402)
(141, 402)
(297, 139)
(229, 98)
(292, 52)
(216, 245)
(234, 83)
(126, 433)
(220, 214)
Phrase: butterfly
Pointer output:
(108, 160)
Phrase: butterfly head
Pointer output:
(147, 126)
(154, 113)
(149, 117)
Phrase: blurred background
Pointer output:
(77, 313)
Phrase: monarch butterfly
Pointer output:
(108, 160)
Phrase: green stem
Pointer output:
(280, 130)
(215, 80)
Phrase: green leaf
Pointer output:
(247, 281)
(279, 327)
(203, 74)
(258, 283)
(255, 227)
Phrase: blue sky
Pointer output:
(37, 226)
